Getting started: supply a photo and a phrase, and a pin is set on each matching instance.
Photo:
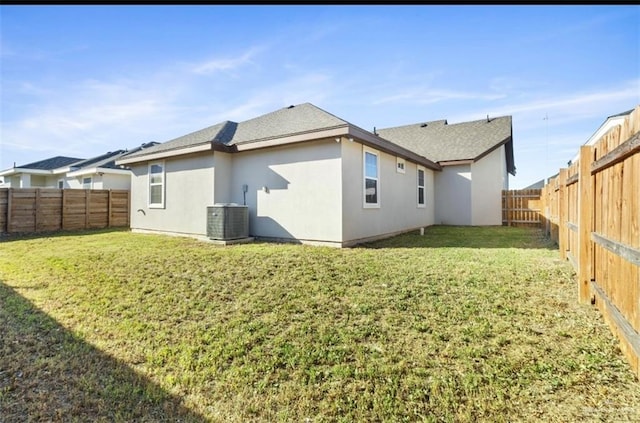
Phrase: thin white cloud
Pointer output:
(431, 96)
(225, 64)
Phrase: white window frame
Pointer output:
(366, 205)
(422, 187)
(90, 182)
(161, 204)
(401, 165)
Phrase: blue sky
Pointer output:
(83, 80)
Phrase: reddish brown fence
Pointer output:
(48, 209)
(521, 208)
(592, 210)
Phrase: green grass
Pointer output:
(461, 324)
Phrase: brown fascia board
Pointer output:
(455, 162)
(207, 146)
(335, 131)
(380, 143)
(498, 145)
(347, 130)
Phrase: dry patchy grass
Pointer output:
(461, 324)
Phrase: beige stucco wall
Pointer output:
(104, 181)
(471, 194)
(489, 179)
(188, 191)
(398, 211)
(222, 177)
(294, 192)
(453, 195)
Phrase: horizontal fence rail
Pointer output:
(29, 210)
(592, 210)
(521, 207)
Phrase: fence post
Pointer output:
(36, 211)
(585, 213)
(109, 200)
(87, 205)
(64, 208)
(9, 207)
(562, 213)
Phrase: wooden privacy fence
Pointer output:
(49, 209)
(593, 210)
(521, 208)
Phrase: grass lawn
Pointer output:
(461, 324)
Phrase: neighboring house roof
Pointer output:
(536, 185)
(46, 165)
(443, 142)
(105, 163)
(608, 123)
(291, 124)
(76, 167)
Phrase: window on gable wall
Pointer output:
(86, 183)
(421, 188)
(400, 163)
(156, 185)
(371, 179)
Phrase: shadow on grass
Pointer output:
(18, 236)
(48, 374)
(441, 236)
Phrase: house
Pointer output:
(305, 175)
(99, 172)
(36, 174)
(610, 122)
(476, 158)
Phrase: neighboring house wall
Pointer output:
(398, 211)
(453, 195)
(489, 179)
(293, 191)
(188, 188)
(98, 181)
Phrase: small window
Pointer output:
(421, 190)
(156, 184)
(400, 165)
(371, 179)
(61, 184)
(86, 183)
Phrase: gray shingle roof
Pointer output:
(51, 163)
(102, 160)
(440, 142)
(287, 121)
(220, 132)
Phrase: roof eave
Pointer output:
(292, 139)
(383, 144)
(98, 169)
(208, 146)
(18, 170)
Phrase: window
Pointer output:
(371, 181)
(399, 165)
(86, 183)
(421, 193)
(60, 183)
(156, 184)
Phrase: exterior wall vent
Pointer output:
(227, 221)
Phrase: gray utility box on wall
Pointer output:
(227, 221)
